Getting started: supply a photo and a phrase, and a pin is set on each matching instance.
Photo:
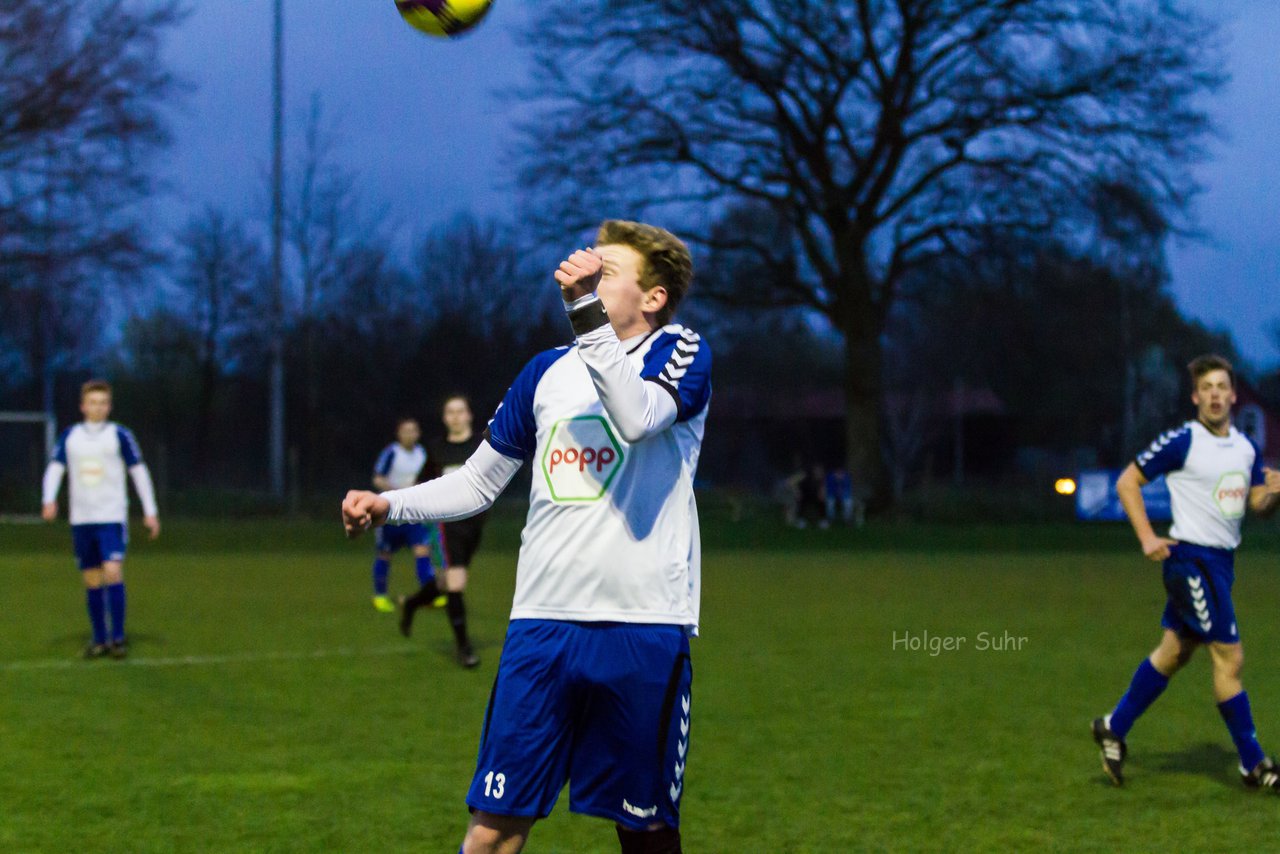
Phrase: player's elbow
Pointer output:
(1130, 481)
(632, 433)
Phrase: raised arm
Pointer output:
(673, 383)
(639, 409)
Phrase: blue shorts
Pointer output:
(392, 538)
(1198, 580)
(98, 544)
(604, 706)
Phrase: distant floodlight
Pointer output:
(1064, 486)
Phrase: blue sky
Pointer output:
(423, 124)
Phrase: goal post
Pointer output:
(26, 444)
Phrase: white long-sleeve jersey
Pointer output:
(95, 458)
(614, 429)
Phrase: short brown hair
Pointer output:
(94, 385)
(1201, 365)
(667, 262)
(451, 398)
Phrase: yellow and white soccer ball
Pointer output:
(443, 18)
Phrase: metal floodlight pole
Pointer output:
(276, 379)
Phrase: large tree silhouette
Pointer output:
(82, 87)
(881, 134)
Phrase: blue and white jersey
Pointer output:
(1209, 479)
(612, 528)
(96, 458)
(400, 466)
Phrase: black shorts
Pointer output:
(460, 541)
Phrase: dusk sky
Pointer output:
(423, 124)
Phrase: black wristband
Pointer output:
(590, 316)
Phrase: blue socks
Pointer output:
(1239, 722)
(95, 598)
(424, 570)
(115, 608)
(381, 568)
(1148, 684)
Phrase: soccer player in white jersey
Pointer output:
(397, 467)
(95, 454)
(1213, 472)
(594, 683)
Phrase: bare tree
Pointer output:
(323, 226)
(219, 268)
(882, 133)
(81, 87)
(469, 273)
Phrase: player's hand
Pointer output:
(1157, 548)
(362, 510)
(49, 512)
(152, 524)
(1271, 480)
(579, 274)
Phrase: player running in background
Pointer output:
(1213, 472)
(459, 540)
(398, 466)
(95, 454)
(594, 684)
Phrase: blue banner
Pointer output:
(1096, 499)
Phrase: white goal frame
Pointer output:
(50, 439)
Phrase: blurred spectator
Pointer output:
(811, 489)
(841, 502)
(787, 493)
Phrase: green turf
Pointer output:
(811, 732)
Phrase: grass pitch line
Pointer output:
(207, 660)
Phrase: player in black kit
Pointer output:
(459, 540)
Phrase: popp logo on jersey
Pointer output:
(581, 459)
(1230, 494)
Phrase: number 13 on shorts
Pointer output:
(495, 785)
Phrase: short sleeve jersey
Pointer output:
(1209, 479)
(444, 456)
(399, 466)
(612, 528)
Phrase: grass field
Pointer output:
(268, 707)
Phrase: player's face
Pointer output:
(408, 433)
(457, 416)
(620, 289)
(95, 406)
(1214, 396)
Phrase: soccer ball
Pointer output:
(447, 18)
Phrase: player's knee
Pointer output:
(112, 573)
(1228, 660)
(662, 840)
(495, 834)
